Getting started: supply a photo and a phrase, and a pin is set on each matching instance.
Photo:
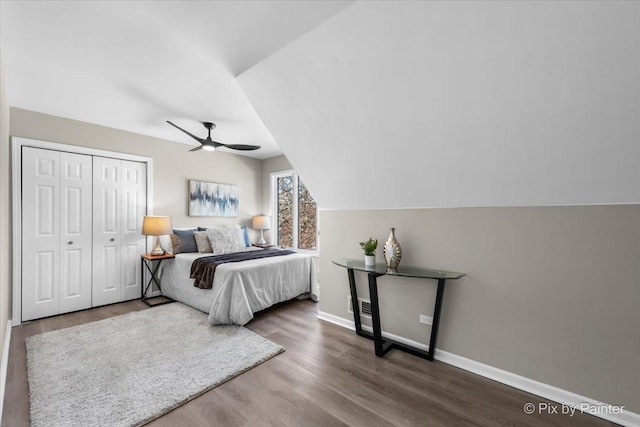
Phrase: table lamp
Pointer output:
(261, 222)
(156, 226)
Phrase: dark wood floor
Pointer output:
(326, 377)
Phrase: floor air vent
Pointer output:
(365, 307)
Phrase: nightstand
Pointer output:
(264, 246)
(146, 260)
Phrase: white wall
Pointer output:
(444, 104)
(5, 218)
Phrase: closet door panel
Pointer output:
(134, 189)
(81, 231)
(107, 209)
(75, 231)
(40, 233)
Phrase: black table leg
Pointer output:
(375, 315)
(354, 301)
(436, 319)
(153, 277)
(142, 278)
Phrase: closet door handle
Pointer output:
(70, 242)
(112, 239)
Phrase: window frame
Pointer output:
(274, 212)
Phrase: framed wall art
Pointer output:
(212, 199)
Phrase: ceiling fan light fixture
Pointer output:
(211, 145)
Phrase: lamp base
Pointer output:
(262, 241)
(157, 250)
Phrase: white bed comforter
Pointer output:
(240, 288)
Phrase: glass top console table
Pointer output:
(383, 345)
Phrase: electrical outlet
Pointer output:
(425, 320)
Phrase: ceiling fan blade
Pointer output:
(196, 148)
(242, 147)
(200, 140)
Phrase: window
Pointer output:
(295, 213)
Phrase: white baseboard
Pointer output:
(555, 394)
(4, 366)
(350, 325)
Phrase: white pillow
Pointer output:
(226, 239)
(240, 233)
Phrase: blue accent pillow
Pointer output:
(245, 233)
(186, 241)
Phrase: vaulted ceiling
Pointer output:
(132, 65)
(447, 104)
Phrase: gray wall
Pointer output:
(269, 166)
(173, 164)
(551, 293)
(274, 164)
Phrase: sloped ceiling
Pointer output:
(132, 65)
(444, 104)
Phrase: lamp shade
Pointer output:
(156, 225)
(261, 222)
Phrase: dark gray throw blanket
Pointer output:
(203, 269)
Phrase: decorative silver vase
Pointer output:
(392, 251)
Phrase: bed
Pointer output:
(240, 288)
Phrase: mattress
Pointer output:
(240, 288)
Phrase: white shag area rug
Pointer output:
(128, 370)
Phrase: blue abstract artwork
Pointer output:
(211, 199)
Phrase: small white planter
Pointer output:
(369, 260)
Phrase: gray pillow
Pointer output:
(183, 241)
(202, 241)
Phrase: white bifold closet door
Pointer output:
(119, 205)
(56, 232)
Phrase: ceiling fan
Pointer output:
(209, 144)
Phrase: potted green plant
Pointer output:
(369, 247)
